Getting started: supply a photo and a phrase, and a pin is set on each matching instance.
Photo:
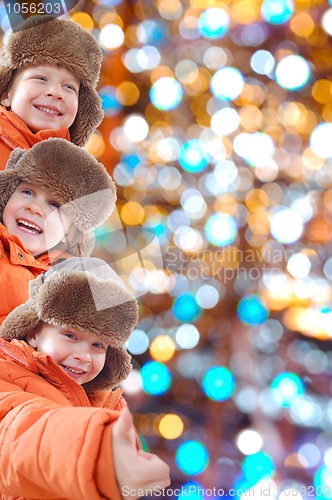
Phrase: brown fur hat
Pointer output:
(84, 294)
(78, 182)
(49, 40)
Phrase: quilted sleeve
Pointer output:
(53, 451)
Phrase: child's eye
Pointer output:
(71, 87)
(69, 335)
(55, 205)
(100, 346)
(40, 77)
(27, 192)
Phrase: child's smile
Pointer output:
(35, 217)
(43, 97)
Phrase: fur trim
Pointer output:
(75, 178)
(80, 300)
(49, 40)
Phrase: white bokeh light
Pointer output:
(136, 128)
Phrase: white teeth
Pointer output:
(48, 110)
(73, 371)
(29, 224)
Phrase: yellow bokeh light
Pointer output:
(110, 18)
(171, 426)
(322, 91)
(302, 24)
(127, 93)
(256, 198)
(160, 72)
(312, 161)
(132, 213)
(162, 348)
(84, 20)
(96, 145)
(246, 11)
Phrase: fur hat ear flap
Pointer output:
(14, 157)
(117, 368)
(89, 116)
(23, 320)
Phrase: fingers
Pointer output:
(123, 428)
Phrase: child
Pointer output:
(51, 199)
(48, 75)
(60, 351)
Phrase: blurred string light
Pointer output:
(220, 229)
(187, 336)
(286, 388)
(257, 466)
(171, 426)
(192, 490)
(192, 157)
(227, 83)
(213, 23)
(218, 383)
(277, 11)
(111, 37)
(166, 93)
(251, 310)
(110, 102)
(138, 342)
(185, 308)
(292, 72)
(191, 457)
(156, 378)
(249, 441)
(320, 140)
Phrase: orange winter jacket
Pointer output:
(14, 133)
(17, 267)
(51, 447)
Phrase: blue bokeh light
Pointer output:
(286, 388)
(185, 308)
(220, 229)
(213, 23)
(152, 31)
(192, 157)
(251, 310)
(166, 93)
(192, 490)
(218, 383)
(156, 378)
(257, 466)
(277, 11)
(110, 103)
(322, 483)
(191, 457)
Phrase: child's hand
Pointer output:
(135, 469)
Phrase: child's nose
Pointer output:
(55, 91)
(35, 208)
(83, 355)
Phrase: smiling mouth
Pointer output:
(29, 227)
(51, 111)
(72, 370)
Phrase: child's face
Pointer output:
(81, 355)
(35, 217)
(43, 97)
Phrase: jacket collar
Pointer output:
(17, 133)
(19, 255)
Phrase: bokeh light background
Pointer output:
(218, 133)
